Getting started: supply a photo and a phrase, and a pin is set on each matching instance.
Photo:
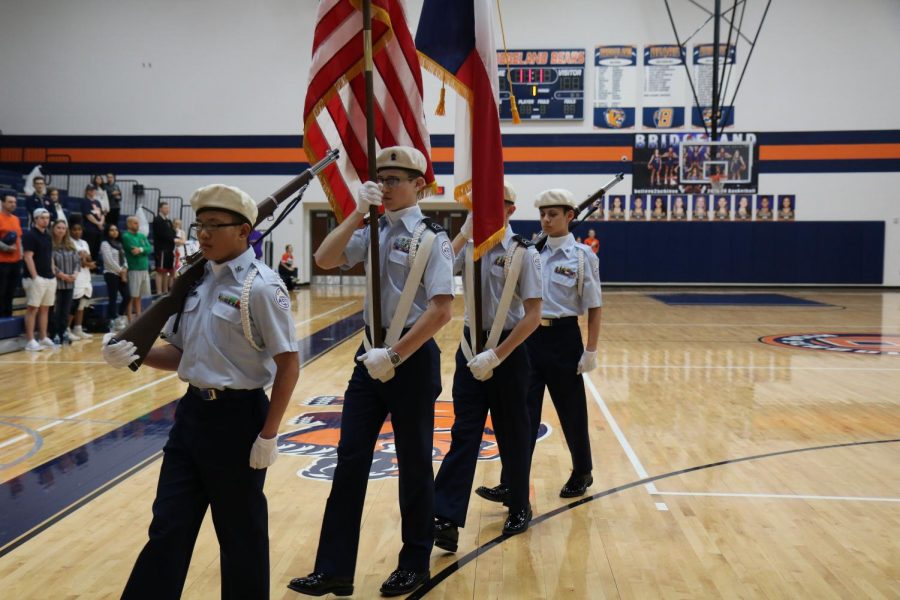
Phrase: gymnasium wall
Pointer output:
(213, 76)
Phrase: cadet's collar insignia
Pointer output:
(282, 299)
(232, 301)
(239, 268)
(393, 156)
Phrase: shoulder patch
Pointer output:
(433, 226)
(282, 299)
(537, 262)
(447, 250)
(522, 241)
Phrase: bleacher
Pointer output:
(12, 328)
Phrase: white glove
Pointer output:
(587, 362)
(483, 365)
(378, 362)
(368, 195)
(118, 355)
(264, 452)
(467, 227)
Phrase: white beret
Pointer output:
(224, 197)
(39, 212)
(556, 197)
(509, 192)
(401, 157)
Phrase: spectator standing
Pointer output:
(100, 192)
(592, 241)
(137, 250)
(83, 289)
(94, 221)
(67, 263)
(39, 281)
(180, 240)
(57, 211)
(38, 199)
(10, 253)
(115, 272)
(114, 194)
(164, 248)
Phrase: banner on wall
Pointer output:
(615, 87)
(689, 163)
(664, 86)
(703, 77)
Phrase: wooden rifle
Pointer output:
(144, 330)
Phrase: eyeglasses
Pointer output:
(391, 182)
(211, 227)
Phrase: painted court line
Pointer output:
(75, 415)
(333, 310)
(754, 367)
(617, 431)
(779, 496)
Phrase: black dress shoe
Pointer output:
(499, 493)
(402, 582)
(446, 534)
(577, 485)
(517, 521)
(319, 584)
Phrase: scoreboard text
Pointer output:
(548, 84)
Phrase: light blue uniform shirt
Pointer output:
(530, 284)
(215, 353)
(561, 297)
(394, 241)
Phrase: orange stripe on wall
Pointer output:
(829, 151)
(182, 155)
(510, 154)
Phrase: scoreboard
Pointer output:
(548, 84)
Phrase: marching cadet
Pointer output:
(234, 336)
(492, 379)
(571, 278)
(402, 379)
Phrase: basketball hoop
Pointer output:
(717, 182)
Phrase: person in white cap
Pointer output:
(233, 337)
(492, 380)
(38, 280)
(571, 277)
(402, 379)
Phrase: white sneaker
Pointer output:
(72, 335)
(33, 346)
(81, 333)
(47, 343)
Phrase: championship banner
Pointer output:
(615, 87)
(664, 86)
(703, 74)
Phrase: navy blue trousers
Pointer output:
(554, 353)
(408, 398)
(206, 463)
(504, 395)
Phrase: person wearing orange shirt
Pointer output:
(592, 241)
(10, 253)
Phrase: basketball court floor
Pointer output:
(746, 445)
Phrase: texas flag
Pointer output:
(456, 43)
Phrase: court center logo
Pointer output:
(856, 343)
(318, 433)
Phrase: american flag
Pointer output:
(334, 112)
(456, 44)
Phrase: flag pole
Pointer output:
(375, 262)
(477, 339)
